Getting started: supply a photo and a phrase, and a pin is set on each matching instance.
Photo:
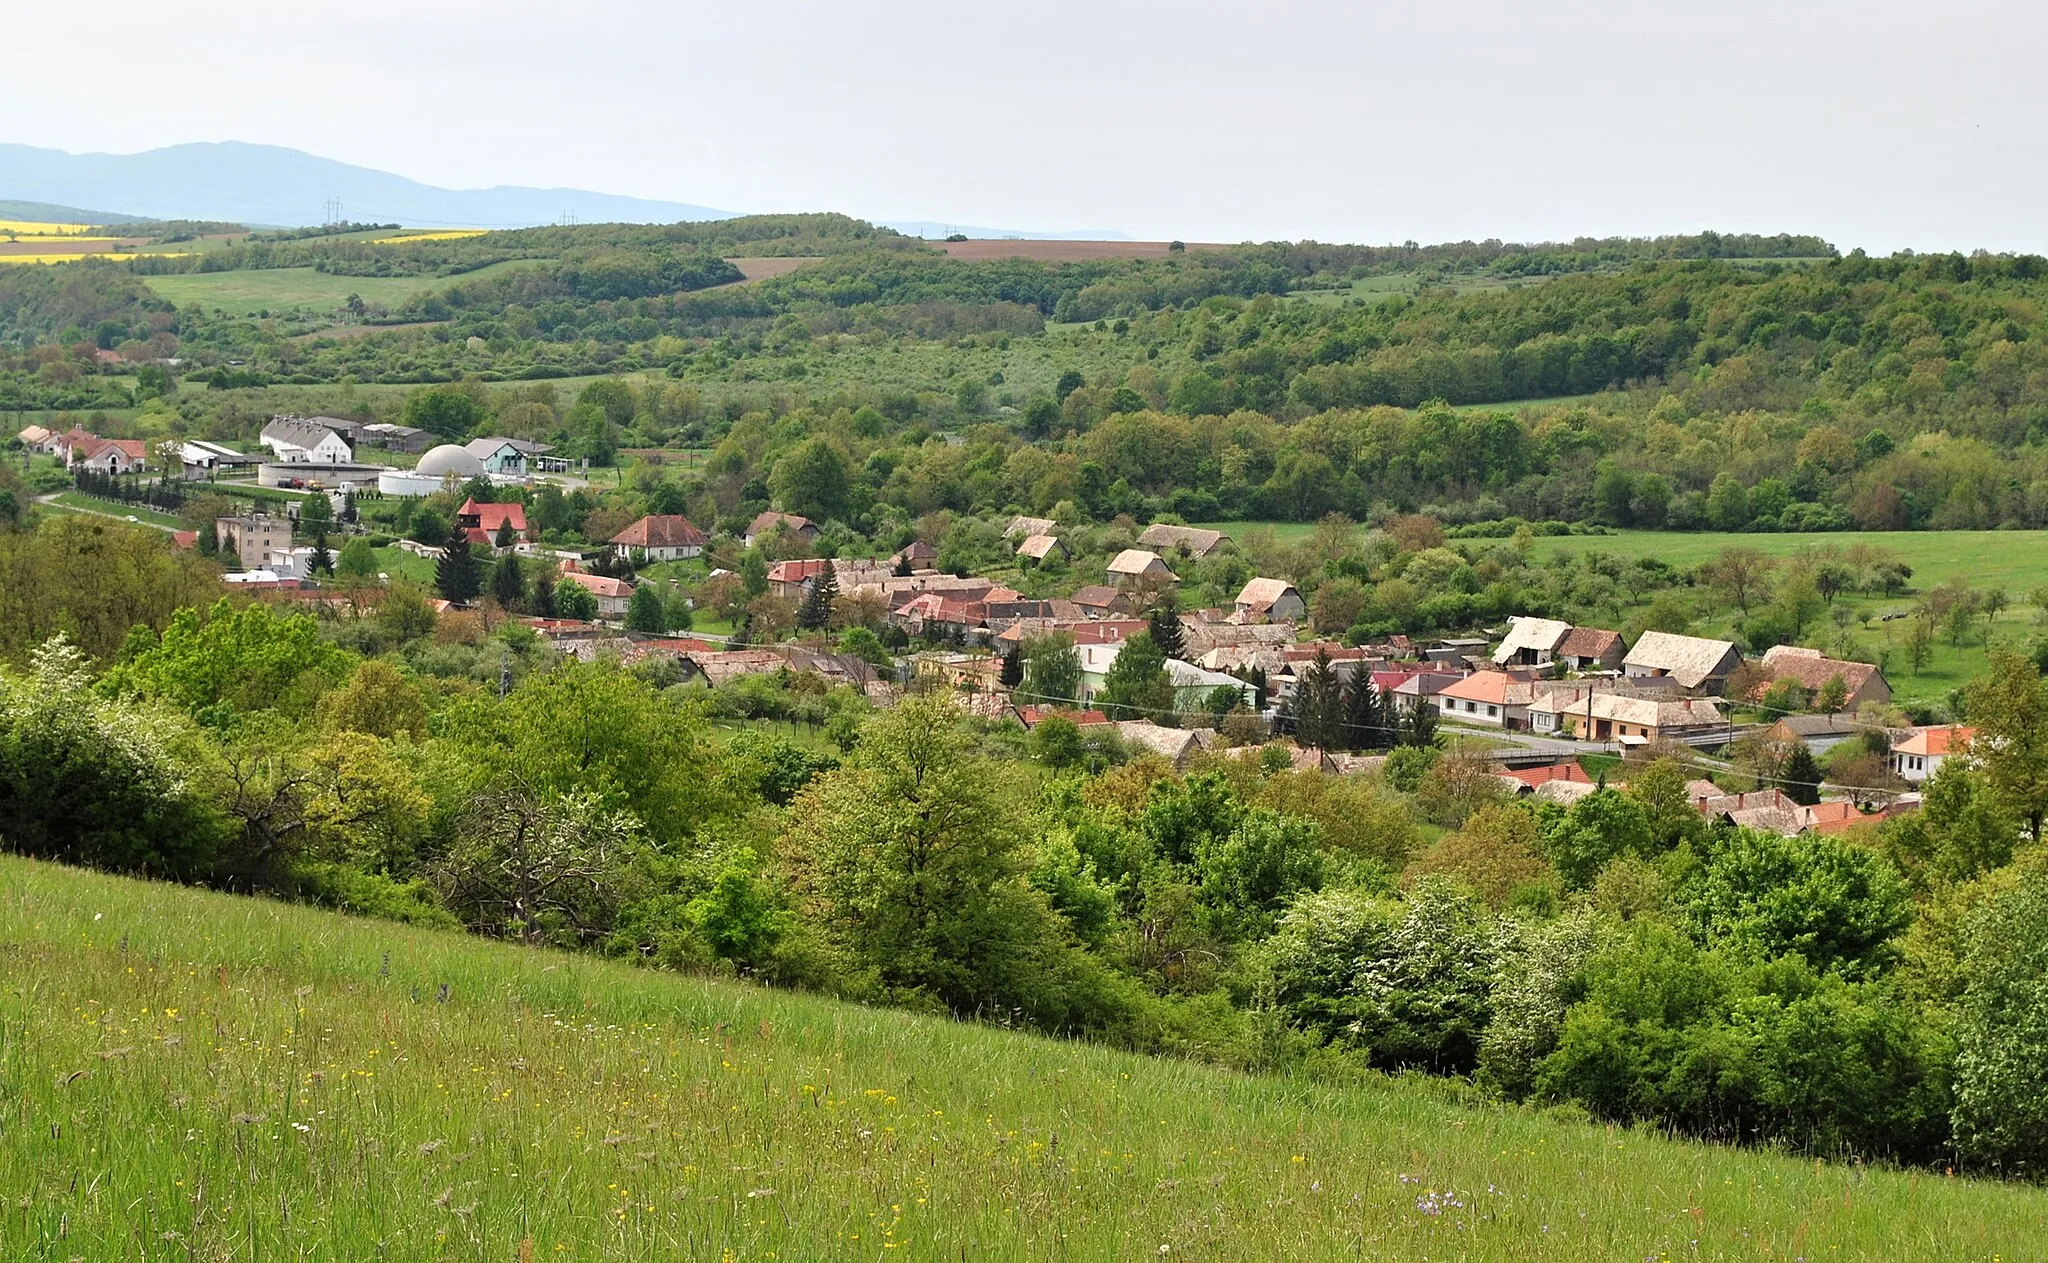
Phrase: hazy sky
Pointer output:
(1874, 123)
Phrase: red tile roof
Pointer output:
(661, 530)
(799, 570)
(492, 516)
(1947, 739)
(1534, 776)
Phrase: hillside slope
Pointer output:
(193, 1075)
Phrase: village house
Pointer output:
(298, 441)
(252, 540)
(1813, 671)
(1488, 697)
(799, 527)
(613, 595)
(1099, 600)
(938, 614)
(505, 458)
(790, 580)
(115, 456)
(35, 438)
(1184, 541)
(1270, 601)
(1040, 547)
(1631, 719)
(1420, 688)
(483, 523)
(1193, 685)
(1697, 664)
(1546, 642)
(1135, 567)
(1919, 754)
(660, 537)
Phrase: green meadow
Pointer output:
(248, 293)
(188, 1075)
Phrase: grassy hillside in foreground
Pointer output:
(192, 1075)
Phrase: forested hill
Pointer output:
(1702, 381)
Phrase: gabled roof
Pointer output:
(765, 522)
(1200, 543)
(1175, 743)
(1943, 740)
(1589, 642)
(33, 434)
(1097, 596)
(1038, 547)
(1530, 777)
(598, 584)
(1494, 687)
(492, 516)
(133, 449)
(1810, 669)
(1691, 660)
(1260, 594)
(1139, 562)
(1021, 525)
(1537, 635)
(799, 570)
(298, 432)
(660, 530)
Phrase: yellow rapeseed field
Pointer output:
(453, 234)
(35, 227)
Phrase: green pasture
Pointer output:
(202, 1076)
(250, 292)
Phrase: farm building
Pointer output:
(200, 459)
(297, 441)
(1270, 601)
(1137, 567)
(1697, 664)
(1040, 547)
(613, 595)
(1813, 671)
(1186, 541)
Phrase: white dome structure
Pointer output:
(450, 458)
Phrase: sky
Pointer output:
(1874, 123)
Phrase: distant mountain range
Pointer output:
(271, 186)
